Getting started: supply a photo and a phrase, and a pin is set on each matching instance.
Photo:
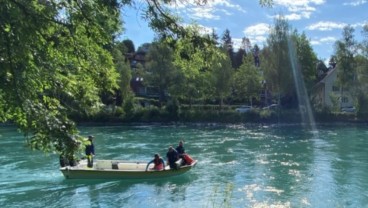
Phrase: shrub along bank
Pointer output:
(210, 114)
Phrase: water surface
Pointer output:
(239, 166)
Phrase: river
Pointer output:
(239, 166)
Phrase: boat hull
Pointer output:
(110, 169)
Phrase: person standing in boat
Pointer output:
(180, 149)
(172, 156)
(186, 159)
(158, 162)
(90, 151)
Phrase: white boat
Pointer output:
(120, 169)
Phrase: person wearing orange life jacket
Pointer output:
(159, 163)
(186, 159)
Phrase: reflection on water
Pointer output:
(239, 166)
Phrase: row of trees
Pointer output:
(212, 71)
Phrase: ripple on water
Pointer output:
(259, 196)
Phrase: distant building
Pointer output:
(327, 89)
(137, 82)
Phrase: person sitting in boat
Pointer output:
(90, 151)
(172, 156)
(158, 162)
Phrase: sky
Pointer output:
(321, 20)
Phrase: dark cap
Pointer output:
(90, 137)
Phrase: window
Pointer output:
(345, 100)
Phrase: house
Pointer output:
(137, 82)
(327, 92)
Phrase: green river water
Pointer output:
(239, 166)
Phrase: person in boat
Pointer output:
(181, 151)
(172, 156)
(186, 159)
(180, 148)
(158, 162)
(90, 151)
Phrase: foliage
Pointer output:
(123, 68)
(222, 77)
(160, 70)
(195, 63)
(248, 81)
(288, 59)
(345, 51)
(227, 44)
(276, 64)
(163, 22)
(172, 108)
(129, 45)
(238, 58)
(362, 75)
(54, 62)
(361, 84)
(307, 59)
(321, 70)
(335, 102)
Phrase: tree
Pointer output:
(256, 50)
(248, 81)
(227, 43)
(277, 68)
(214, 37)
(238, 58)
(123, 68)
(332, 62)
(307, 59)
(345, 51)
(160, 67)
(222, 76)
(244, 50)
(362, 75)
(195, 62)
(129, 45)
(364, 44)
(321, 69)
(361, 84)
(54, 63)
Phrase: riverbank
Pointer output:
(154, 115)
(210, 116)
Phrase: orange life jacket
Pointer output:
(188, 160)
(158, 164)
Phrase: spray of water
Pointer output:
(304, 105)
